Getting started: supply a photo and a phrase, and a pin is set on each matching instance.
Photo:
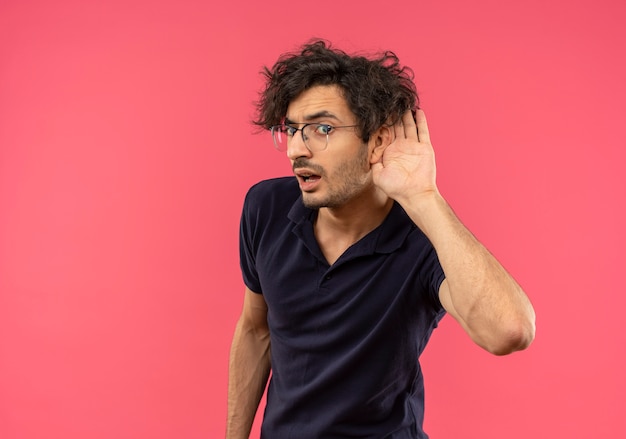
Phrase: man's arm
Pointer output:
(249, 366)
(477, 292)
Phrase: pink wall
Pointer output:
(125, 152)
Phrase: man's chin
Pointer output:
(315, 200)
(312, 202)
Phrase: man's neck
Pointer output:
(338, 228)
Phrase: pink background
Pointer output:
(125, 153)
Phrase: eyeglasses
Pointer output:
(314, 135)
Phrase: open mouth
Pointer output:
(309, 177)
(308, 180)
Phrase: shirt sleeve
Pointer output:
(433, 277)
(247, 248)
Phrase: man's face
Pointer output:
(341, 172)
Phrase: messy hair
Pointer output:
(378, 90)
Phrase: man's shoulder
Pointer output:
(274, 193)
(271, 185)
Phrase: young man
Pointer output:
(350, 265)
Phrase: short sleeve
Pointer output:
(433, 276)
(247, 250)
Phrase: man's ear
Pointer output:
(379, 140)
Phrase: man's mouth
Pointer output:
(309, 177)
(308, 180)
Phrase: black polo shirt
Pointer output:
(346, 338)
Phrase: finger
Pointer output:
(398, 130)
(408, 123)
(422, 127)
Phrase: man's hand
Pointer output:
(406, 169)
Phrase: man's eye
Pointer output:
(323, 129)
(290, 131)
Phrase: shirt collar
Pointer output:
(386, 238)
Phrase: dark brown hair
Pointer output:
(377, 89)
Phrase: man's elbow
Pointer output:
(517, 336)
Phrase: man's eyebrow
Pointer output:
(320, 114)
(314, 116)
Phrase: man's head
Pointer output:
(377, 90)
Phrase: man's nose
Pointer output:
(296, 147)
